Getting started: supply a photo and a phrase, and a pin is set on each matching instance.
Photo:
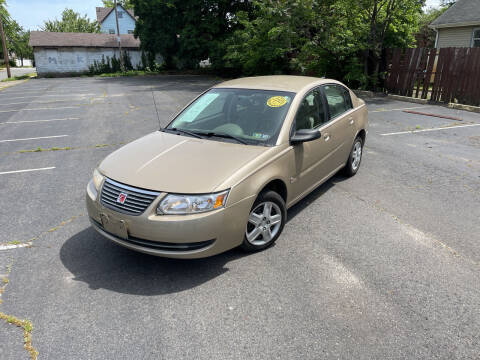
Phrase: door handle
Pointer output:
(326, 137)
(351, 121)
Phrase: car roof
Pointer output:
(275, 82)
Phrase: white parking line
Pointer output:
(410, 108)
(433, 129)
(50, 108)
(34, 121)
(26, 170)
(12, 246)
(34, 138)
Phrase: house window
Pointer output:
(111, 31)
(120, 14)
(476, 38)
(130, 31)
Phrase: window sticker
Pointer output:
(260, 136)
(200, 105)
(277, 101)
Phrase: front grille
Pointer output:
(137, 201)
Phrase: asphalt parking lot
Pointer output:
(385, 265)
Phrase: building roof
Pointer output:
(103, 12)
(67, 39)
(462, 13)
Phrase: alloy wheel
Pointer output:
(264, 222)
(356, 155)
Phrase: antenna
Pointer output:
(155, 103)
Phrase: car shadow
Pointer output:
(101, 264)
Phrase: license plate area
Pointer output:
(114, 226)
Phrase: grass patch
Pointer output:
(40, 149)
(21, 77)
(27, 327)
(129, 73)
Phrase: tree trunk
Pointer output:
(366, 54)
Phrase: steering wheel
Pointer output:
(230, 128)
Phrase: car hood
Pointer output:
(177, 164)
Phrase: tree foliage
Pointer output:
(127, 4)
(343, 39)
(71, 21)
(16, 37)
(426, 36)
(338, 38)
(186, 31)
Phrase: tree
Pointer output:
(71, 22)
(16, 38)
(426, 36)
(447, 3)
(344, 39)
(185, 32)
(127, 4)
(271, 40)
(386, 23)
(21, 47)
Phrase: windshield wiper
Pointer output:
(224, 135)
(185, 132)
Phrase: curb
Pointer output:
(368, 94)
(464, 107)
(408, 99)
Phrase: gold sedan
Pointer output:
(224, 172)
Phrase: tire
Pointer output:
(355, 158)
(264, 225)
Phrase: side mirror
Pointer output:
(304, 135)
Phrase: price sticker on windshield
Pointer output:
(277, 101)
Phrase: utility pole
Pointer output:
(4, 47)
(122, 65)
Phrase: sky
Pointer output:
(31, 13)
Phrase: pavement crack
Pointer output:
(26, 325)
(66, 148)
(28, 243)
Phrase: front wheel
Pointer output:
(265, 221)
(355, 158)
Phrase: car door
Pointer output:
(310, 157)
(339, 130)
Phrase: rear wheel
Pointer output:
(265, 221)
(355, 158)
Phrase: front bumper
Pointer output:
(175, 236)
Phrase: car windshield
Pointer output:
(247, 116)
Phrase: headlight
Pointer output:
(191, 204)
(97, 179)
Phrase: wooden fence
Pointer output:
(445, 75)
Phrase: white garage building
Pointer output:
(66, 53)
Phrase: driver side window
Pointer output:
(311, 112)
